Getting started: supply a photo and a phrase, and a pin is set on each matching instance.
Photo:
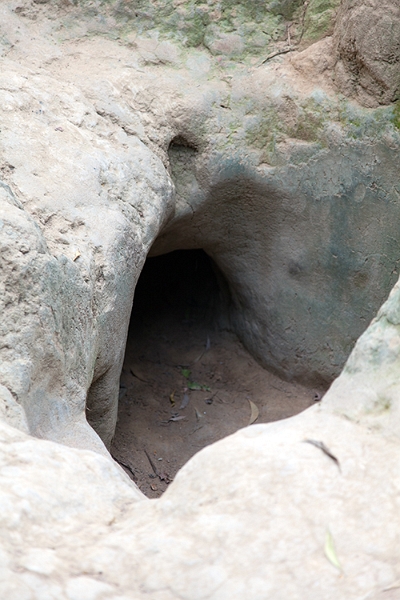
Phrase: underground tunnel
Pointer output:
(187, 380)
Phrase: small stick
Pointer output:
(288, 34)
(162, 476)
(324, 449)
(126, 466)
(303, 18)
(151, 462)
(277, 53)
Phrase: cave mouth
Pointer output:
(184, 286)
(187, 381)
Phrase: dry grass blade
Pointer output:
(330, 551)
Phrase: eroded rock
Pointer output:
(367, 42)
(294, 193)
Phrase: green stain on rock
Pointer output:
(302, 120)
(396, 114)
(318, 17)
(188, 22)
(286, 8)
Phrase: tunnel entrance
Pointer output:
(187, 381)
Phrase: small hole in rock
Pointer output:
(187, 381)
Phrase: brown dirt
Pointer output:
(156, 435)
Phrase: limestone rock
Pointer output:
(294, 193)
(367, 38)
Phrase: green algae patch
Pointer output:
(310, 119)
(318, 18)
(247, 27)
(302, 120)
(360, 123)
(396, 115)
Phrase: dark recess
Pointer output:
(184, 285)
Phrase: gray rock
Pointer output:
(367, 44)
(294, 193)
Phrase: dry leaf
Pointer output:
(77, 255)
(392, 586)
(198, 414)
(177, 418)
(172, 398)
(254, 412)
(330, 551)
(136, 373)
(185, 401)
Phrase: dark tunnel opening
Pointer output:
(181, 286)
(187, 381)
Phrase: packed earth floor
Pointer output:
(187, 383)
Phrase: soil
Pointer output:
(186, 382)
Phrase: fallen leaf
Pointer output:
(77, 255)
(254, 412)
(136, 373)
(392, 586)
(330, 551)
(185, 401)
(192, 385)
(172, 398)
(198, 414)
(177, 418)
(185, 373)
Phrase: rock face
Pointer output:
(367, 38)
(271, 513)
(113, 148)
(72, 237)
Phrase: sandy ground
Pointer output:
(174, 348)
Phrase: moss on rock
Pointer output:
(319, 19)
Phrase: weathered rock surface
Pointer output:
(85, 210)
(249, 516)
(106, 153)
(367, 38)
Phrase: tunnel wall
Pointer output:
(310, 251)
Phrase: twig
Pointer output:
(303, 18)
(126, 466)
(290, 48)
(324, 449)
(151, 463)
(162, 476)
(277, 53)
(288, 34)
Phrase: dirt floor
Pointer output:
(185, 383)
